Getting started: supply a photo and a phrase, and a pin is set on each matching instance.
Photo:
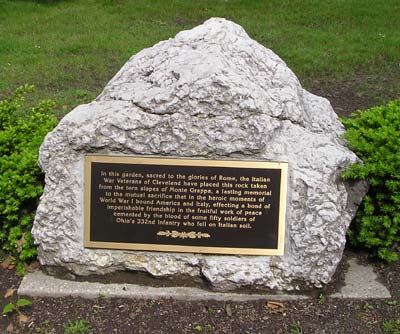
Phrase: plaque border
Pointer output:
(283, 166)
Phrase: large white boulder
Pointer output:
(210, 93)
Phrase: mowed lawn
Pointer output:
(70, 49)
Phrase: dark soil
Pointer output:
(317, 315)
(358, 92)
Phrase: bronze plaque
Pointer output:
(184, 205)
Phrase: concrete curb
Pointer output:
(41, 285)
(360, 282)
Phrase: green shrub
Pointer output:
(374, 135)
(21, 133)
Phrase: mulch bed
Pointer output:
(358, 92)
(105, 315)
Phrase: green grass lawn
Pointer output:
(70, 49)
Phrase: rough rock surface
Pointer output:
(212, 93)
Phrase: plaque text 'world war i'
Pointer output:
(205, 206)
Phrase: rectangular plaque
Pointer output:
(184, 205)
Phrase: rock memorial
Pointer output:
(210, 93)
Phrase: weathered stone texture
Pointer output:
(212, 93)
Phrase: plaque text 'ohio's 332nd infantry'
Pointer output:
(177, 205)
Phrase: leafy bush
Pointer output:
(374, 135)
(21, 133)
